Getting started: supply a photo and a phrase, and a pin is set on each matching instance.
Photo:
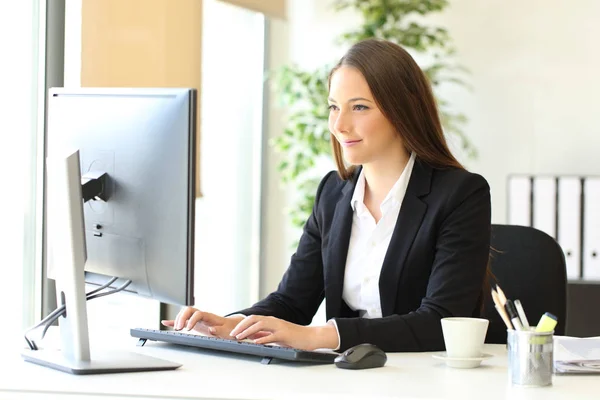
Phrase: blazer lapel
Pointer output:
(407, 225)
(341, 227)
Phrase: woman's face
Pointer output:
(360, 127)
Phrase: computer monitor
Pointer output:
(130, 155)
(144, 139)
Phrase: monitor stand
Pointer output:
(67, 253)
(105, 363)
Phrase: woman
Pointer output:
(395, 242)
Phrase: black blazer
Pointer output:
(434, 267)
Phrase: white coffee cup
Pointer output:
(464, 337)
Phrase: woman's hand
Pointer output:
(204, 322)
(275, 330)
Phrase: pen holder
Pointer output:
(530, 357)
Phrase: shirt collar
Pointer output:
(396, 193)
(359, 192)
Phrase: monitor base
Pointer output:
(106, 363)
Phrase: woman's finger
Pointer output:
(193, 320)
(269, 325)
(168, 322)
(244, 324)
(220, 331)
(224, 333)
(182, 317)
(207, 319)
(251, 330)
(269, 338)
(259, 335)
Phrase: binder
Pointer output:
(519, 200)
(569, 223)
(591, 229)
(544, 205)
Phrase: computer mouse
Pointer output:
(361, 356)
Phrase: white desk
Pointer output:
(215, 375)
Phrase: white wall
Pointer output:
(535, 72)
(535, 76)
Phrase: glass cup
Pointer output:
(530, 357)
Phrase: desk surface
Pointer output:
(209, 374)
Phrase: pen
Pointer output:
(522, 316)
(547, 323)
(514, 317)
(501, 309)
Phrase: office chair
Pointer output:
(529, 265)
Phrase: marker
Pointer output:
(514, 317)
(547, 323)
(522, 315)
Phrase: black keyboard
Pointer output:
(234, 346)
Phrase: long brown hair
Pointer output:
(404, 95)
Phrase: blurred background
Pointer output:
(516, 81)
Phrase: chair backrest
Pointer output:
(529, 265)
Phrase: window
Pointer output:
(19, 41)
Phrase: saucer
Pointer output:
(461, 362)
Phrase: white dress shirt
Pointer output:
(369, 241)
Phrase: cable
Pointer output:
(89, 297)
(120, 288)
(31, 343)
(49, 320)
(59, 311)
(107, 284)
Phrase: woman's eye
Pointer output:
(356, 107)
